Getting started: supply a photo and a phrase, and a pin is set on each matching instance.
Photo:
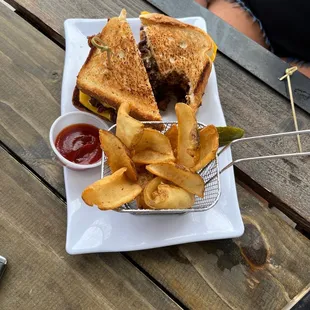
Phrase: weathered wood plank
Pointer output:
(30, 83)
(44, 14)
(40, 274)
(264, 269)
(47, 11)
(246, 101)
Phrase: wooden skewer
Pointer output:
(289, 72)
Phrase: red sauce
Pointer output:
(79, 143)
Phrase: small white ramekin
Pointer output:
(66, 120)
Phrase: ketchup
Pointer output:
(79, 143)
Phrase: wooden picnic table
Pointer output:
(266, 268)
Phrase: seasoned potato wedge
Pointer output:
(172, 134)
(153, 140)
(179, 175)
(117, 154)
(128, 129)
(112, 191)
(209, 143)
(154, 147)
(158, 195)
(144, 177)
(152, 157)
(188, 137)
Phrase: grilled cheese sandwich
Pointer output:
(108, 80)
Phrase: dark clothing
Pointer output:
(286, 24)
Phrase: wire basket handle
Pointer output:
(291, 133)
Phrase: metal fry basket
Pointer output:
(210, 173)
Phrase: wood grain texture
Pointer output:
(31, 70)
(49, 16)
(264, 269)
(40, 274)
(246, 101)
(249, 104)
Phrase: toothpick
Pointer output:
(289, 72)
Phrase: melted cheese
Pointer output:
(84, 100)
(212, 52)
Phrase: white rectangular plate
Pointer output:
(91, 230)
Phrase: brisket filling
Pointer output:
(174, 87)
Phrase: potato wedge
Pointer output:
(154, 147)
(143, 178)
(209, 144)
(153, 140)
(158, 195)
(112, 191)
(157, 126)
(179, 175)
(117, 154)
(128, 129)
(152, 157)
(188, 137)
(172, 134)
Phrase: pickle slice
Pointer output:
(228, 134)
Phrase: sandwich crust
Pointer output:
(125, 80)
(180, 48)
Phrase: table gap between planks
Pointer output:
(217, 275)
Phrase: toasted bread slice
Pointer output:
(125, 80)
(176, 53)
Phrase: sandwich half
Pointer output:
(114, 73)
(176, 57)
